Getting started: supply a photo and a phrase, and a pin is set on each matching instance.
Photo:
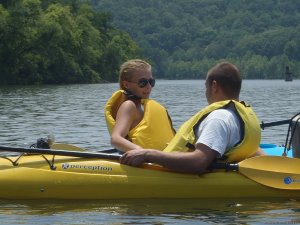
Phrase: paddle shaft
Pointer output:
(60, 152)
(272, 124)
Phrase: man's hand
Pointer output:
(136, 157)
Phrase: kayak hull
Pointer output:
(78, 178)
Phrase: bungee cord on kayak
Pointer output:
(294, 127)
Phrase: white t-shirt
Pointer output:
(220, 130)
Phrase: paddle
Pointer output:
(66, 146)
(61, 152)
(49, 142)
(272, 124)
(273, 171)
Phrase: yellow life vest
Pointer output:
(154, 130)
(185, 139)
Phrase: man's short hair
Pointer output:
(228, 77)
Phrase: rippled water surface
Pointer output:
(235, 211)
(75, 114)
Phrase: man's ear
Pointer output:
(214, 85)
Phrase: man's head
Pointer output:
(223, 82)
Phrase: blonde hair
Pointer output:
(128, 68)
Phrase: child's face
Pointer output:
(141, 83)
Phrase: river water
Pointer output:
(75, 114)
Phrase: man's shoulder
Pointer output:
(220, 113)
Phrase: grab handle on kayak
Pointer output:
(224, 166)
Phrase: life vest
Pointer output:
(185, 139)
(154, 130)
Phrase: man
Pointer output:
(225, 130)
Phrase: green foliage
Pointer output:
(85, 41)
(184, 38)
(55, 42)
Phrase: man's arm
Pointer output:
(187, 162)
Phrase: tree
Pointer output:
(291, 49)
(60, 43)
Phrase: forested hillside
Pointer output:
(59, 42)
(85, 41)
(183, 38)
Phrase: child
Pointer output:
(135, 121)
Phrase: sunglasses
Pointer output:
(143, 82)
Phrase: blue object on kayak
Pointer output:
(272, 149)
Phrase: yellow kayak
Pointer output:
(38, 176)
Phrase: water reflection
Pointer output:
(165, 211)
